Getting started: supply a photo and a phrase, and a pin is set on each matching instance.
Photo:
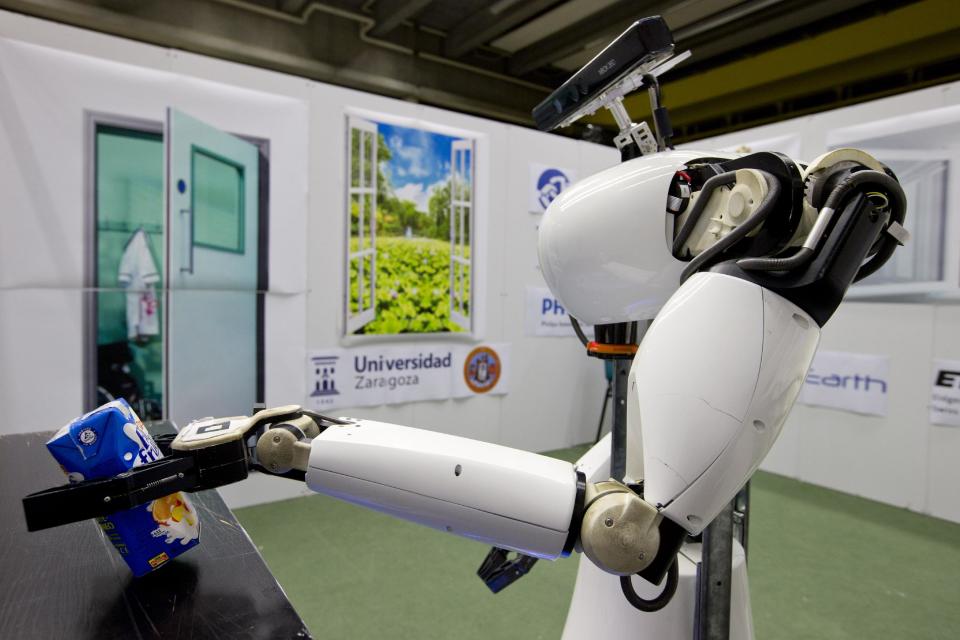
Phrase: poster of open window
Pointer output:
(410, 217)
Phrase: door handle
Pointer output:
(188, 250)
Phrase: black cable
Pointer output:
(761, 213)
(889, 244)
(898, 211)
(673, 577)
(798, 259)
(577, 330)
(705, 193)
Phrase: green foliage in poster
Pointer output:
(412, 286)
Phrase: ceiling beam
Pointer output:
(573, 38)
(294, 7)
(914, 35)
(723, 36)
(490, 23)
(389, 14)
(326, 48)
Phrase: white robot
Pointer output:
(738, 260)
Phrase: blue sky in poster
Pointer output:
(420, 162)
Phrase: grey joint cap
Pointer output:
(620, 532)
(279, 451)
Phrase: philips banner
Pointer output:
(854, 382)
(546, 316)
(370, 376)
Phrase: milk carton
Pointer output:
(106, 442)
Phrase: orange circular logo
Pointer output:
(481, 370)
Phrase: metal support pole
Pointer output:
(741, 518)
(714, 579)
(629, 333)
(618, 437)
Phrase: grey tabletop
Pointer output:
(69, 582)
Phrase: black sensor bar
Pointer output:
(645, 43)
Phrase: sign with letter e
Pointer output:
(945, 393)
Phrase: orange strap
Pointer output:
(595, 347)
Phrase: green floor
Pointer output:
(823, 565)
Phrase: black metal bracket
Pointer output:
(192, 470)
(498, 571)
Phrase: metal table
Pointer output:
(69, 582)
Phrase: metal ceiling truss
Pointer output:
(752, 62)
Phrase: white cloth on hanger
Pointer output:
(138, 273)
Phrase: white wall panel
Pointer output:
(879, 458)
(55, 72)
(555, 391)
(40, 358)
(46, 93)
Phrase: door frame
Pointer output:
(89, 324)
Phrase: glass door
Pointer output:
(212, 267)
(125, 264)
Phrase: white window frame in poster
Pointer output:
(461, 172)
(467, 149)
(367, 186)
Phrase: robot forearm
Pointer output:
(504, 497)
(490, 493)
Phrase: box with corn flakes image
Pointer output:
(111, 440)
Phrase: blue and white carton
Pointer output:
(106, 442)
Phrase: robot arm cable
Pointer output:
(706, 192)
(898, 212)
(890, 189)
(579, 331)
(759, 216)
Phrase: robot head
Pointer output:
(610, 253)
(605, 242)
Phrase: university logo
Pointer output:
(324, 378)
(549, 185)
(481, 369)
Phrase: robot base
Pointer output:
(599, 610)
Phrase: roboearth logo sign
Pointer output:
(546, 183)
(386, 375)
(853, 382)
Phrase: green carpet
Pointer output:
(823, 565)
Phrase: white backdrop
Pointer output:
(556, 392)
(53, 73)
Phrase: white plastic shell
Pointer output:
(605, 242)
(713, 381)
(501, 496)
